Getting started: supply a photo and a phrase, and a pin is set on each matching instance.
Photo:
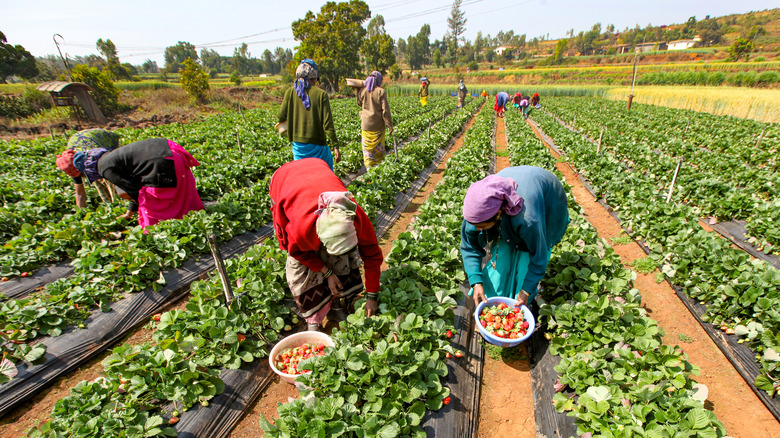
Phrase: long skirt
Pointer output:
(159, 204)
(423, 100)
(310, 150)
(310, 289)
(374, 147)
(504, 271)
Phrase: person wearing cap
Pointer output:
(502, 98)
(462, 92)
(78, 144)
(154, 175)
(326, 235)
(306, 109)
(374, 118)
(524, 103)
(515, 216)
(423, 93)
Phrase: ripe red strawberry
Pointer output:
(174, 420)
(484, 323)
(447, 355)
(446, 400)
(525, 325)
(449, 333)
(24, 274)
(157, 316)
(4, 279)
(458, 353)
(241, 337)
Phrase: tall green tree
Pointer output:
(457, 25)
(241, 57)
(418, 47)
(15, 61)
(210, 59)
(560, 49)
(741, 47)
(106, 92)
(378, 48)
(194, 80)
(108, 49)
(333, 38)
(175, 55)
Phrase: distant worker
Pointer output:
(515, 217)
(306, 109)
(154, 175)
(462, 92)
(374, 118)
(423, 93)
(78, 144)
(534, 104)
(484, 94)
(326, 235)
(516, 100)
(502, 98)
(524, 104)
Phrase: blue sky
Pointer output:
(142, 29)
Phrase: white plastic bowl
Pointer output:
(356, 83)
(293, 341)
(504, 342)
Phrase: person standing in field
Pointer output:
(326, 235)
(78, 144)
(374, 118)
(462, 92)
(515, 216)
(423, 93)
(154, 175)
(502, 98)
(306, 109)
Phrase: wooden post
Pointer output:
(429, 131)
(633, 81)
(601, 135)
(574, 123)
(687, 125)
(220, 265)
(51, 132)
(674, 178)
(238, 139)
(760, 138)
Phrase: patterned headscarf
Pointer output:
(307, 70)
(461, 85)
(336, 222)
(486, 197)
(373, 80)
(89, 163)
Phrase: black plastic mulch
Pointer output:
(22, 286)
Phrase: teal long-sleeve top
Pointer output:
(538, 227)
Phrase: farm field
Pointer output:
(629, 355)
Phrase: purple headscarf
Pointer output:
(485, 197)
(307, 70)
(90, 163)
(373, 80)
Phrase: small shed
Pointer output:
(681, 44)
(68, 93)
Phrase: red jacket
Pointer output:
(295, 190)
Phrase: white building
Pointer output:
(501, 49)
(682, 44)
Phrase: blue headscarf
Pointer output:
(373, 80)
(89, 164)
(306, 70)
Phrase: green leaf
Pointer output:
(599, 393)
(697, 418)
(390, 430)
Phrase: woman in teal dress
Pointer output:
(516, 216)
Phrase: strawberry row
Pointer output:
(741, 295)
(616, 377)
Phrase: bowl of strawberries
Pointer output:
(501, 322)
(288, 352)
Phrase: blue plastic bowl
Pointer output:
(504, 342)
